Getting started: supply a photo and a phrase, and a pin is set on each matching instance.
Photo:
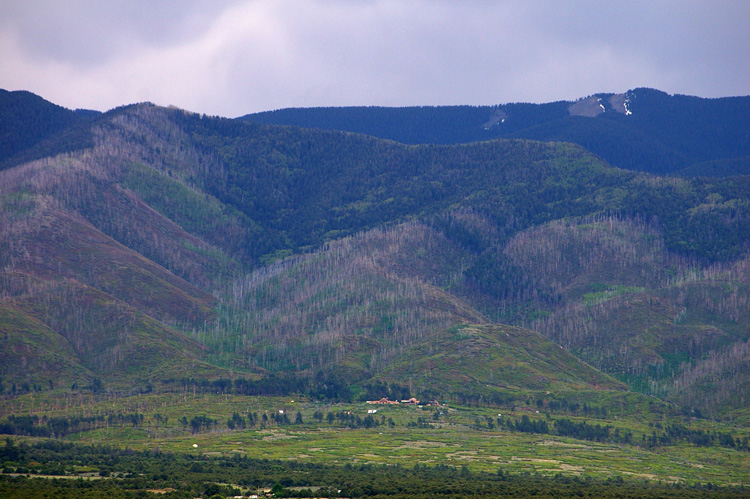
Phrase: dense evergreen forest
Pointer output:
(29, 122)
(642, 129)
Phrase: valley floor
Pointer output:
(515, 441)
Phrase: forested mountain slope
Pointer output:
(642, 129)
(27, 120)
(178, 244)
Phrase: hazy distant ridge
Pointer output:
(642, 129)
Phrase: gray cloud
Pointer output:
(234, 57)
(89, 32)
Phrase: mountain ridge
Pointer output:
(218, 247)
(642, 129)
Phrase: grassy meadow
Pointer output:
(405, 435)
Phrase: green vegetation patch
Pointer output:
(611, 291)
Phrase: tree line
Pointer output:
(130, 473)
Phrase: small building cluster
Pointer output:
(386, 401)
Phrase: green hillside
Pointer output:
(33, 353)
(466, 359)
(202, 242)
(352, 304)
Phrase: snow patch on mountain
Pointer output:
(619, 103)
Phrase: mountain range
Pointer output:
(596, 246)
(642, 129)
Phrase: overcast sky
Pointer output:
(232, 57)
